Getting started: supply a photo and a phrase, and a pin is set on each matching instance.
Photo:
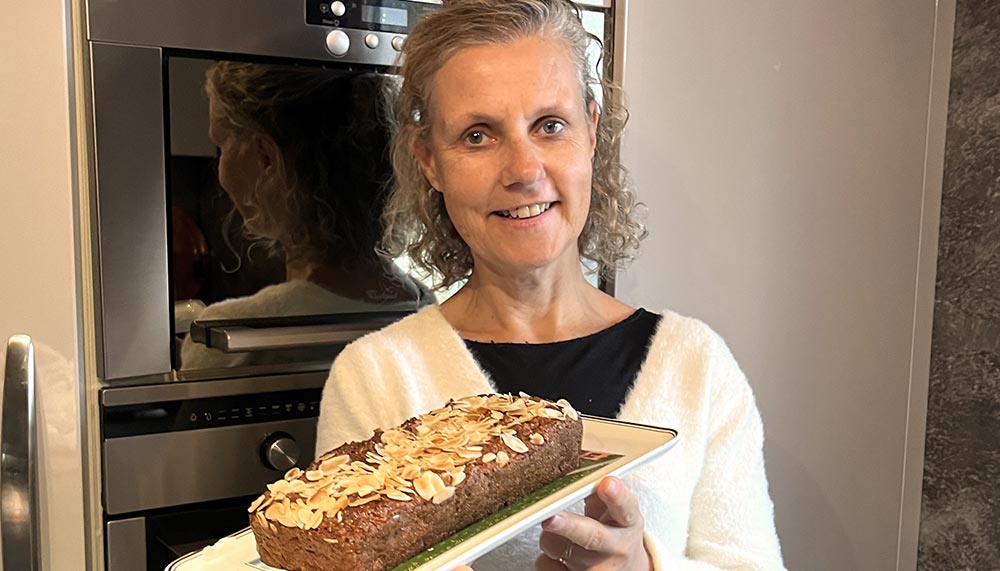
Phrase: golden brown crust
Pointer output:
(453, 466)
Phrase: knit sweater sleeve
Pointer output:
(346, 411)
(732, 515)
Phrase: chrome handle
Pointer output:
(19, 526)
(238, 336)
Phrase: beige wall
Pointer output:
(790, 152)
(38, 291)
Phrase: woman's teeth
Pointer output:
(526, 211)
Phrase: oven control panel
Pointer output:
(195, 414)
(394, 16)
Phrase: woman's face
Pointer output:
(240, 162)
(510, 147)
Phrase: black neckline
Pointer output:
(609, 329)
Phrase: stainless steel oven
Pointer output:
(214, 336)
(170, 238)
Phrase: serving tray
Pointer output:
(611, 448)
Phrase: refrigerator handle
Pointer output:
(19, 513)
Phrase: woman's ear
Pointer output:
(421, 151)
(267, 155)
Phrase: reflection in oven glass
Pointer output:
(279, 213)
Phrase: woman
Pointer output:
(301, 157)
(507, 176)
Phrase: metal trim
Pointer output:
(120, 396)
(131, 230)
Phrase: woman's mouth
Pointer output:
(523, 212)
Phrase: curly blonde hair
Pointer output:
(415, 220)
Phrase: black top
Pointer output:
(594, 373)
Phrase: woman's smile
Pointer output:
(526, 212)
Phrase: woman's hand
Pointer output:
(608, 538)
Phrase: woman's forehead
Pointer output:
(534, 71)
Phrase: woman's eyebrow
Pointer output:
(472, 118)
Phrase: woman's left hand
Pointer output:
(608, 538)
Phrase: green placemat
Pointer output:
(589, 463)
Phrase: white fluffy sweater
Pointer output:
(705, 503)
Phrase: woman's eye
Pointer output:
(552, 127)
(476, 138)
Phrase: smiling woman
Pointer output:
(506, 175)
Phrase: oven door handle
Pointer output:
(236, 338)
(19, 513)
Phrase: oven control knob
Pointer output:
(338, 42)
(280, 452)
(338, 9)
(397, 43)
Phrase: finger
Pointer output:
(587, 533)
(594, 507)
(555, 547)
(544, 563)
(552, 545)
(462, 568)
(623, 506)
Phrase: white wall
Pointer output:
(38, 290)
(780, 147)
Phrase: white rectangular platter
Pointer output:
(629, 446)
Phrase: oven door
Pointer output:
(151, 542)
(177, 242)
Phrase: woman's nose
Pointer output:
(522, 164)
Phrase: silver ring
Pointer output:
(566, 554)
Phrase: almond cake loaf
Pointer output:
(374, 504)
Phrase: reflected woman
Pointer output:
(302, 156)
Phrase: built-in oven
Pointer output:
(238, 159)
(182, 461)
(240, 162)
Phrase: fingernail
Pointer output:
(555, 523)
(614, 487)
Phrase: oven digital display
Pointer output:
(384, 16)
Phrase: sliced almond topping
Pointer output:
(445, 494)
(489, 457)
(361, 502)
(305, 515)
(292, 474)
(331, 465)
(329, 540)
(274, 511)
(502, 458)
(514, 443)
(537, 439)
(314, 475)
(397, 495)
(256, 504)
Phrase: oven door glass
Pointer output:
(277, 178)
